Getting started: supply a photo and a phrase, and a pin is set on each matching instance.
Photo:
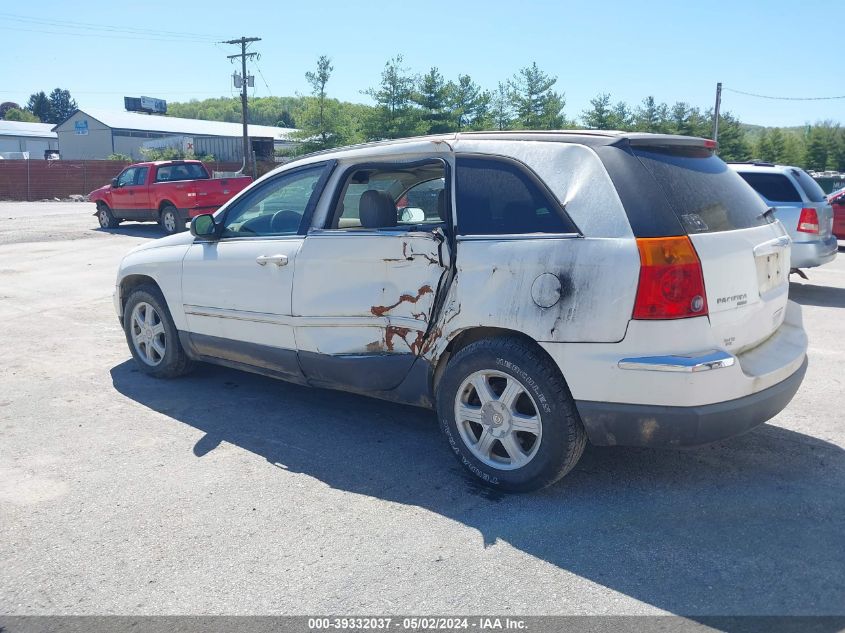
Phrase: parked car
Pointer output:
(837, 203)
(626, 289)
(167, 192)
(800, 204)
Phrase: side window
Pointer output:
(774, 187)
(498, 197)
(127, 177)
(164, 173)
(276, 207)
(391, 196)
(141, 175)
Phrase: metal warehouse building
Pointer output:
(34, 138)
(95, 134)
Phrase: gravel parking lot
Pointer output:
(229, 493)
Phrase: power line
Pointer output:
(89, 33)
(751, 94)
(261, 74)
(55, 23)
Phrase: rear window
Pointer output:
(774, 187)
(187, 171)
(811, 187)
(705, 194)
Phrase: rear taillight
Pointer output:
(808, 222)
(671, 281)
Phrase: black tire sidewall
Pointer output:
(555, 443)
(173, 348)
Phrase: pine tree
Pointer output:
(394, 116)
(432, 97)
(536, 105)
(501, 111)
(39, 105)
(467, 102)
(318, 81)
(600, 116)
(62, 105)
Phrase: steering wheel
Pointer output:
(285, 222)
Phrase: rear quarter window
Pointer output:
(497, 196)
(705, 194)
(774, 187)
(811, 188)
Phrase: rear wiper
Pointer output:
(768, 213)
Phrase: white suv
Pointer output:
(536, 289)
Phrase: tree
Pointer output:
(394, 116)
(39, 105)
(777, 142)
(648, 116)
(763, 149)
(468, 102)
(501, 112)
(600, 116)
(733, 144)
(536, 105)
(62, 105)
(14, 114)
(6, 106)
(318, 81)
(432, 96)
(818, 146)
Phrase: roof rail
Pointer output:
(756, 163)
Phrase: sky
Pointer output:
(675, 51)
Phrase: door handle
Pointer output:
(279, 260)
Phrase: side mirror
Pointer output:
(114, 183)
(203, 226)
(411, 214)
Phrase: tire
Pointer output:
(170, 221)
(106, 217)
(152, 336)
(523, 387)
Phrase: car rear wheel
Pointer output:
(170, 221)
(152, 335)
(508, 415)
(106, 217)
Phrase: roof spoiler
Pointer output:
(670, 140)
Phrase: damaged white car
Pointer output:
(538, 290)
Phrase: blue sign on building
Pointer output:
(81, 127)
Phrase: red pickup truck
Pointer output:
(168, 192)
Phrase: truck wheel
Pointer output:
(106, 217)
(152, 335)
(170, 220)
(508, 415)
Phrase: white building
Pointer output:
(32, 138)
(95, 134)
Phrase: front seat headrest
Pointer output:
(376, 209)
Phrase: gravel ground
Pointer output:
(229, 493)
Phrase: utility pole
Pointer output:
(243, 41)
(716, 112)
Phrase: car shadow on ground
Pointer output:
(150, 230)
(753, 525)
(812, 295)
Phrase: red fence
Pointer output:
(47, 179)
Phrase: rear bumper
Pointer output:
(609, 424)
(816, 253)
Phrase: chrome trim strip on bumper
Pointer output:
(714, 359)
